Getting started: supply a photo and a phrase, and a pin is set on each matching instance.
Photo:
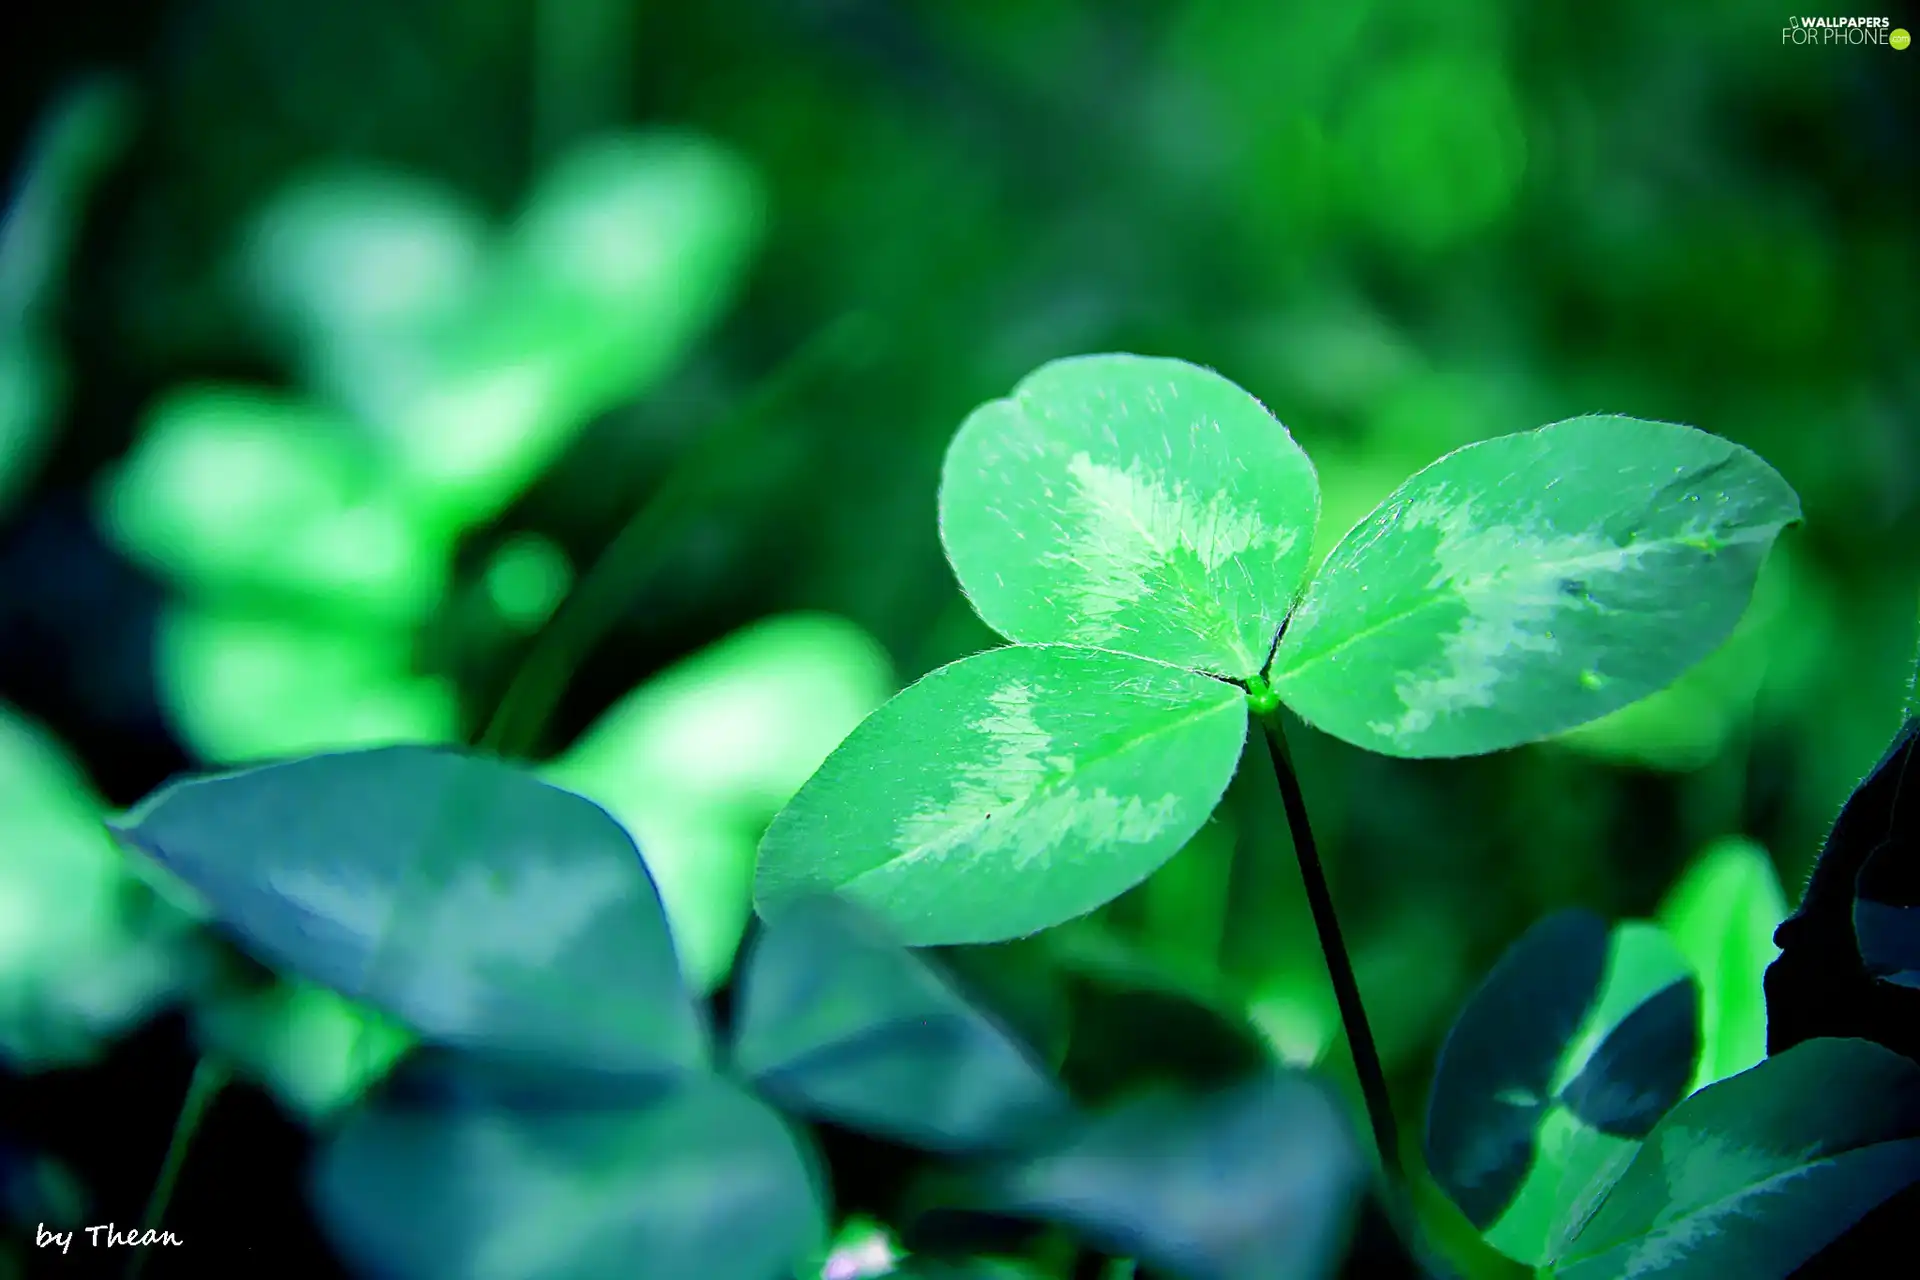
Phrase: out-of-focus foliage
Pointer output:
(697, 761)
(314, 1050)
(446, 367)
(704, 1181)
(86, 948)
(241, 687)
(82, 132)
(1722, 914)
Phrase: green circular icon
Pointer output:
(1899, 38)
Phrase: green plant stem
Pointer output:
(1346, 990)
(636, 551)
(209, 1077)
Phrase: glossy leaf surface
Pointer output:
(1131, 503)
(1522, 586)
(1008, 792)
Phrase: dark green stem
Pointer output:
(209, 1077)
(1346, 990)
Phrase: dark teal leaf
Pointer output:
(1577, 1043)
(1643, 1066)
(1019, 986)
(1823, 985)
(1492, 1083)
(702, 1182)
(484, 908)
(1889, 935)
(1752, 1176)
(838, 1022)
(1257, 1182)
(1886, 914)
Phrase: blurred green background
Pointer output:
(340, 340)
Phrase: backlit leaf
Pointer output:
(1522, 586)
(1722, 915)
(1132, 503)
(1008, 792)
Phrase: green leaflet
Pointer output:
(81, 134)
(703, 1183)
(1522, 586)
(1691, 722)
(487, 910)
(1754, 1175)
(1722, 915)
(1570, 1051)
(1131, 503)
(1008, 792)
(85, 953)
